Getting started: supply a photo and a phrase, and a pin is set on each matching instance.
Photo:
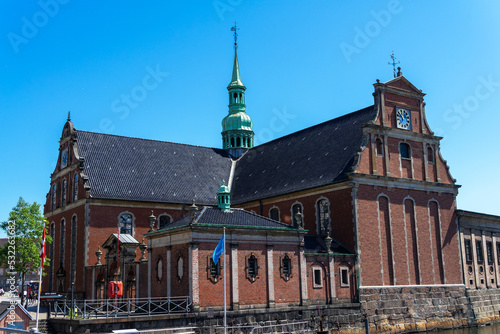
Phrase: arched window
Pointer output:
(126, 221)
(51, 255)
(274, 214)
(238, 142)
(379, 147)
(163, 221)
(63, 192)
(73, 248)
(62, 242)
(53, 204)
(405, 150)
(296, 211)
(75, 188)
(232, 142)
(323, 217)
(430, 154)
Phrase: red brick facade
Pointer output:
(394, 213)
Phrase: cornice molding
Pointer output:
(400, 183)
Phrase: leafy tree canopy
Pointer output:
(25, 226)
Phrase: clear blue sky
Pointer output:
(308, 60)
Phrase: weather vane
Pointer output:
(393, 57)
(235, 29)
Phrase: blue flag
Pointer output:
(218, 250)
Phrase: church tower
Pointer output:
(237, 133)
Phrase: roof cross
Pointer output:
(235, 29)
(394, 63)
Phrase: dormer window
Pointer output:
(405, 150)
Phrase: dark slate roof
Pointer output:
(315, 244)
(233, 218)
(316, 156)
(148, 170)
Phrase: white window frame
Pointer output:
(316, 269)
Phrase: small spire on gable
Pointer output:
(69, 116)
(224, 198)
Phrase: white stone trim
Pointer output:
(411, 286)
(303, 275)
(234, 274)
(270, 274)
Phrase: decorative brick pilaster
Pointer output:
(304, 300)
(194, 276)
(270, 277)
(234, 276)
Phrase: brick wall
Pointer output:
(433, 213)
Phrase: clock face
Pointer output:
(64, 159)
(403, 119)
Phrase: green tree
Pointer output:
(25, 229)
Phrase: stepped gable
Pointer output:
(235, 218)
(136, 169)
(316, 156)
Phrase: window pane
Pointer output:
(468, 251)
(274, 214)
(344, 276)
(479, 251)
(404, 149)
(317, 277)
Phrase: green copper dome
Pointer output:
(237, 121)
(223, 189)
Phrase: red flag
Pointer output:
(42, 248)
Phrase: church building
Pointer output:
(362, 201)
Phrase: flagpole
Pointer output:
(39, 293)
(42, 260)
(225, 323)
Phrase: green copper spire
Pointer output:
(237, 133)
(236, 79)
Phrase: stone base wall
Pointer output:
(388, 309)
(343, 317)
(411, 309)
(485, 304)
